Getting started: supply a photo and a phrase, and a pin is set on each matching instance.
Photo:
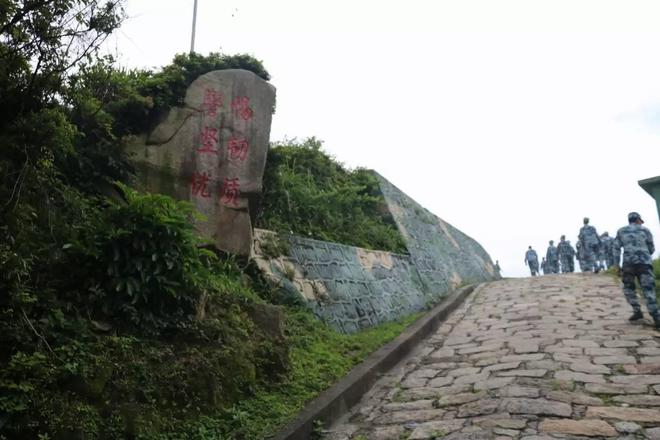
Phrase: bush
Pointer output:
(149, 330)
(308, 193)
(145, 262)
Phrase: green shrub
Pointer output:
(137, 328)
(146, 262)
(308, 193)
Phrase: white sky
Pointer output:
(511, 120)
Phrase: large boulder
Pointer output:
(212, 152)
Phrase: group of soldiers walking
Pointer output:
(597, 252)
(594, 253)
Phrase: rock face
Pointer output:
(212, 152)
(444, 256)
(353, 288)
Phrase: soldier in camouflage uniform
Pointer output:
(532, 260)
(552, 258)
(566, 255)
(571, 257)
(599, 255)
(606, 250)
(580, 255)
(637, 244)
(589, 244)
(613, 255)
(544, 267)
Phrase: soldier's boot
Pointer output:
(637, 315)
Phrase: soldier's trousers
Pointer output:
(566, 265)
(644, 274)
(533, 267)
(553, 266)
(590, 264)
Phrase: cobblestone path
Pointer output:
(535, 358)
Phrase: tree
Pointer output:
(42, 40)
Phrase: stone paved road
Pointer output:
(533, 358)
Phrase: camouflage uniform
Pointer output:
(552, 259)
(637, 244)
(589, 244)
(498, 269)
(580, 255)
(606, 251)
(544, 266)
(599, 254)
(532, 260)
(614, 256)
(571, 257)
(566, 256)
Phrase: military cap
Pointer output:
(633, 217)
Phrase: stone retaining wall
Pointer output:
(348, 287)
(352, 288)
(444, 256)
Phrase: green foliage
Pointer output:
(115, 320)
(308, 193)
(168, 87)
(41, 41)
(109, 387)
(149, 323)
(319, 356)
(146, 262)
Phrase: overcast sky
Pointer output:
(511, 120)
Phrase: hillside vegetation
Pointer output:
(116, 320)
(307, 192)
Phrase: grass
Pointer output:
(562, 385)
(319, 356)
(606, 398)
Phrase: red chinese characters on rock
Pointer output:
(199, 184)
(237, 147)
(231, 191)
(241, 108)
(213, 100)
(209, 140)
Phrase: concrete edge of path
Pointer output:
(334, 402)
